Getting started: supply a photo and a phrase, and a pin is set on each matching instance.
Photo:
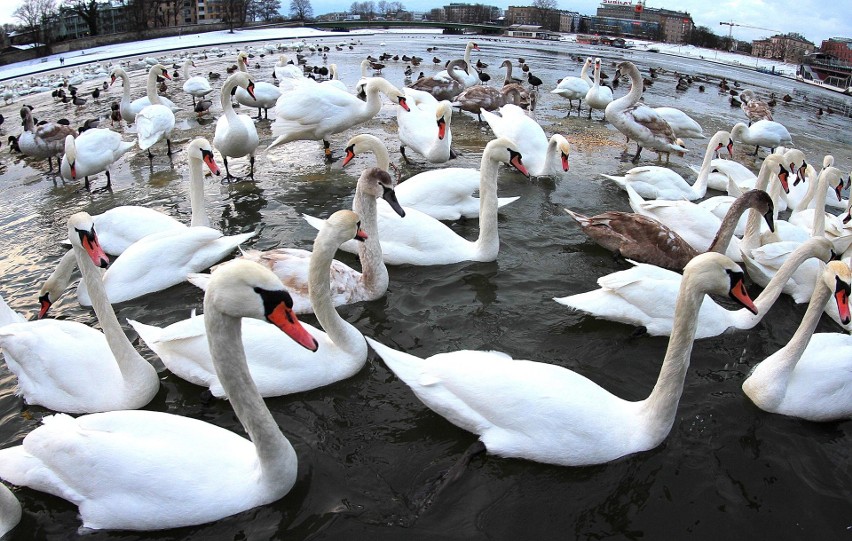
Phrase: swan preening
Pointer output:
(92, 152)
(113, 465)
(546, 413)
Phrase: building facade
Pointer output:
(785, 47)
(467, 13)
(624, 17)
(548, 19)
(839, 48)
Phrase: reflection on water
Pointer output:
(368, 449)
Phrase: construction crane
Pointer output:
(732, 24)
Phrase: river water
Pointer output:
(368, 449)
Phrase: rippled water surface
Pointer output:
(369, 450)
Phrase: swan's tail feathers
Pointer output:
(407, 367)
(230, 242)
(621, 181)
(316, 223)
(199, 279)
(599, 303)
(280, 140)
(635, 199)
(7, 315)
(148, 333)
(584, 221)
(506, 200)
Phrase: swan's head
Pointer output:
(242, 79)
(242, 288)
(625, 68)
(721, 140)
(472, 46)
(343, 225)
(458, 63)
(380, 84)
(81, 233)
(746, 96)
(834, 177)
(71, 155)
(504, 150)
(364, 143)
(761, 201)
(837, 277)
(200, 149)
(564, 149)
(160, 71)
(115, 74)
(794, 159)
(378, 183)
(716, 273)
(443, 115)
(242, 56)
(828, 161)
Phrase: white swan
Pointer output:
(155, 121)
(425, 127)
(129, 109)
(264, 95)
(196, 86)
(162, 260)
(70, 367)
(277, 365)
(655, 182)
(598, 97)
(811, 375)
(547, 413)
(763, 133)
(575, 88)
(92, 152)
(45, 141)
(419, 239)
(639, 122)
(682, 124)
(236, 135)
(10, 510)
(644, 296)
(542, 156)
(469, 77)
(444, 194)
(317, 111)
(113, 465)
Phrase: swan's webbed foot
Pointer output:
(404, 157)
(228, 176)
(169, 147)
(259, 114)
(424, 499)
(251, 167)
(150, 156)
(326, 147)
(636, 157)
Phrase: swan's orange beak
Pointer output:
(45, 303)
(285, 319)
(250, 89)
(838, 189)
(782, 176)
(111, 80)
(73, 170)
(719, 147)
(350, 153)
(360, 235)
(738, 292)
(730, 148)
(166, 75)
(89, 240)
(442, 128)
(516, 162)
(800, 172)
(565, 164)
(403, 104)
(207, 156)
(841, 295)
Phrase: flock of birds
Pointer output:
(681, 250)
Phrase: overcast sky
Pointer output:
(814, 19)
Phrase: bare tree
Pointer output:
(301, 10)
(35, 16)
(233, 13)
(268, 10)
(548, 16)
(87, 10)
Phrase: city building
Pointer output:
(549, 19)
(468, 13)
(790, 47)
(626, 18)
(839, 48)
(530, 31)
(569, 21)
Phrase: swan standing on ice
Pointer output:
(236, 135)
(92, 152)
(156, 121)
(196, 86)
(129, 109)
(45, 141)
(264, 95)
(575, 88)
(113, 465)
(598, 96)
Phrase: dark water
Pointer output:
(369, 450)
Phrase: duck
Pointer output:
(654, 182)
(196, 86)
(265, 95)
(278, 366)
(129, 109)
(754, 109)
(547, 413)
(763, 133)
(644, 294)
(156, 121)
(598, 97)
(682, 124)
(10, 510)
(639, 122)
(130, 452)
(236, 135)
(419, 239)
(69, 367)
(470, 76)
(317, 112)
(444, 88)
(809, 378)
(44, 141)
(444, 194)
(646, 240)
(92, 152)
(425, 127)
(575, 88)
(543, 156)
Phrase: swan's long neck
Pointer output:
(660, 407)
(783, 362)
(186, 69)
(467, 51)
(136, 371)
(508, 78)
(728, 227)
(125, 88)
(228, 107)
(373, 103)
(812, 180)
(241, 63)
(153, 97)
(196, 194)
(488, 243)
(382, 158)
(818, 228)
(635, 93)
(597, 83)
(345, 336)
(751, 237)
(584, 72)
(700, 186)
(374, 273)
(224, 336)
(28, 123)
